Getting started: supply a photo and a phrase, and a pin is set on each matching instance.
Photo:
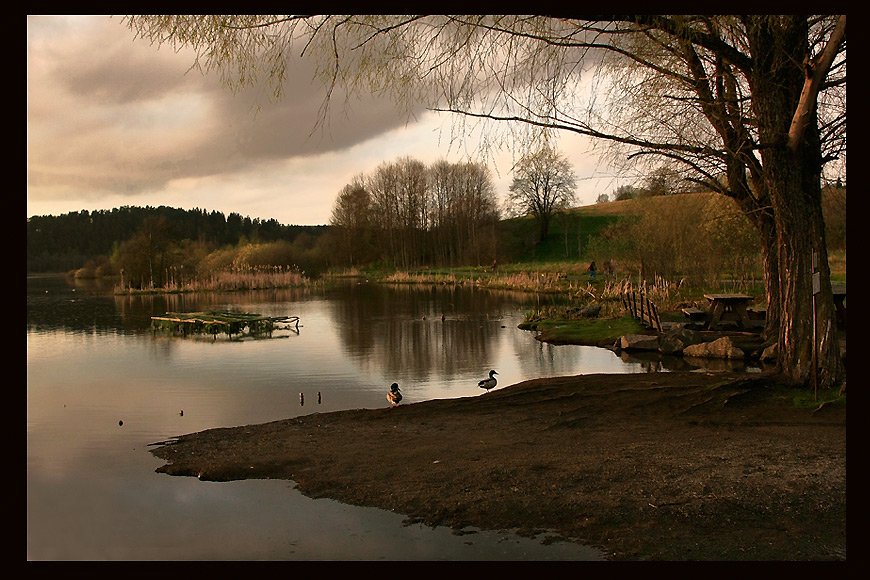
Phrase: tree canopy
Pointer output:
(543, 183)
(65, 242)
(752, 106)
(408, 214)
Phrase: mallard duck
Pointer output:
(488, 383)
(394, 396)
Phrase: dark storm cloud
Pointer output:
(112, 120)
(110, 113)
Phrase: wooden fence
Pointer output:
(642, 308)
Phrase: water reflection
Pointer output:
(436, 331)
(408, 332)
(100, 387)
(92, 364)
(652, 362)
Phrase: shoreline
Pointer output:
(658, 466)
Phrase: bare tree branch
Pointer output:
(816, 72)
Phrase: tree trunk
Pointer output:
(544, 223)
(755, 208)
(770, 262)
(802, 354)
(792, 176)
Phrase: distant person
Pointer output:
(494, 266)
(591, 269)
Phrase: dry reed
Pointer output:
(231, 279)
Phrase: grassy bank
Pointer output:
(588, 331)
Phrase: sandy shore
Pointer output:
(662, 466)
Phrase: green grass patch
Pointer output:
(806, 398)
(775, 390)
(587, 331)
(569, 235)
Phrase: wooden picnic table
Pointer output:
(729, 306)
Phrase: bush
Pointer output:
(696, 237)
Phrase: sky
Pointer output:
(115, 121)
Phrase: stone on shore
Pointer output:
(639, 342)
(675, 341)
(720, 348)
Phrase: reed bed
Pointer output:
(427, 278)
(608, 295)
(231, 279)
(609, 289)
(541, 282)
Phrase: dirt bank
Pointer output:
(665, 466)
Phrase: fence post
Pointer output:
(650, 310)
(642, 297)
(656, 323)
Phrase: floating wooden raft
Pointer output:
(220, 322)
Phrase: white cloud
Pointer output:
(112, 121)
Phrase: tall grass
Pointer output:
(427, 278)
(541, 282)
(255, 278)
(240, 277)
(607, 292)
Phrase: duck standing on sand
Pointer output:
(488, 383)
(394, 396)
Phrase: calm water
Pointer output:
(101, 386)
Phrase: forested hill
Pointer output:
(61, 243)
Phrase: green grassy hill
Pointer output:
(570, 231)
(568, 248)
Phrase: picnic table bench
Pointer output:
(695, 314)
(729, 307)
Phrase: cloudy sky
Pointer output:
(114, 121)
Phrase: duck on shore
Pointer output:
(489, 383)
(394, 396)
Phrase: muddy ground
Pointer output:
(659, 466)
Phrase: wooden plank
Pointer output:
(229, 322)
(727, 296)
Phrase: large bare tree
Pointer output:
(543, 183)
(352, 220)
(751, 106)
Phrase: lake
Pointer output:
(101, 386)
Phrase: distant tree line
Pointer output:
(69, 241)
(406, 214)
